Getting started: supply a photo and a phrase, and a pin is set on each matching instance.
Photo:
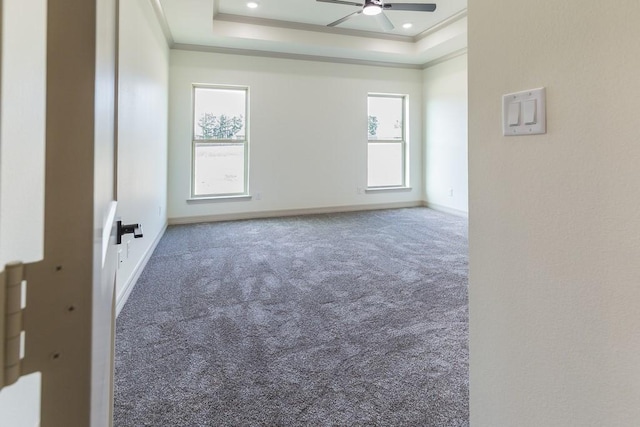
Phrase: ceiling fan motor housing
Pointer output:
(375, 7)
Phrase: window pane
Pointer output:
(385, 164)
(219, 169)
(385, 117)
(219, 113)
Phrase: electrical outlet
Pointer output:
(258, 196)
(451, 192)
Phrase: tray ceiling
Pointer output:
(298, 27)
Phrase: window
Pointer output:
(220, 141)
(386, 148)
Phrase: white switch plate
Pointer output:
(520, 98)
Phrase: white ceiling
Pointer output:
(298, 27)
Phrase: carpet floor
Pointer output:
(350, 319)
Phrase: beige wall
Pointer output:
(555, 218)
(445, 128)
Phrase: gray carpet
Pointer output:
(353, 319)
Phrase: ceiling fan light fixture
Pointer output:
(372, 9)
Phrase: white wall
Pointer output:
(445, 95)
(308, 131)
(555, 219)
(142, 132)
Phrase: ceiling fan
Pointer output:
(377, 7)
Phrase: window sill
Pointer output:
(206, 199)
(386, 189)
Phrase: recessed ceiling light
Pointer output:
(407, 25)
(252, 5)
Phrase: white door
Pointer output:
(22, 153)
(69, 315)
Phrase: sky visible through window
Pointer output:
(228, 102)
(219, 132)
(388, 111)
(385, 158)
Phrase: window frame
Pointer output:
(403, 141)
(219, 142)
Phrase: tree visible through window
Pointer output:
(386, 153)
(219, 141)
(373, 125)
(219, 127)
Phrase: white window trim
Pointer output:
(224, 198)
(244, 195)
(404, 141)
(385, 189)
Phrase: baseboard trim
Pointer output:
(137, 271)
(292, 212)
(446, 209)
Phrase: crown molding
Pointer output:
(296, 56)
(440, 25)
(241, 19)
(162, 20)
(444, 58)
(216, 9)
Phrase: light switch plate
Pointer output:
(539, 125)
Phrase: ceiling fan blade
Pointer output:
(384, 22)
(341, 20)
(348, 3)
(414, 7)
